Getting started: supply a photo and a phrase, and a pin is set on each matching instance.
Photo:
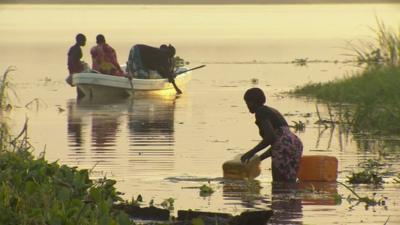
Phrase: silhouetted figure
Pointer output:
(104, 58)
(286, 148)
(143, 58)
(75, 64)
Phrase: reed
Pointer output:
(374, 94)
(384, 49)
(4, 86)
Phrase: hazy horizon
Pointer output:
(162, 2)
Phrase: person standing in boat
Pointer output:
(143, 58)
(104, 58)
(75, 64)
(285, 147)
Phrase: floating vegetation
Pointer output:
(299, 126)
(206, 190)
(365, 177)
(168, 204)
(300, 62)
(369, 201)
(369, 175)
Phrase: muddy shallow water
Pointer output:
(159, 145)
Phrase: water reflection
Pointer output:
(286, 200)
(151, 132)
(247, 192)
(138, 130)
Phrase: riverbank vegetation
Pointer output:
(373, 93)
(34, 191)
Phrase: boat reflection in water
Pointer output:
(135, 133)
(151, 132)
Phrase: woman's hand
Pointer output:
(247, 156)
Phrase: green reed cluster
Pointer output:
(5, 85)
(383, 50)
(34, 191)
(374, 93)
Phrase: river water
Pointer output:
(160, 145)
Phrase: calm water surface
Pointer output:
(160, 145)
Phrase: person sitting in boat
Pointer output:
(286, 148)
(104, 58)
(75, 64)
(143, 59)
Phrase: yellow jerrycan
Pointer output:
(235, 169)
(318, 168)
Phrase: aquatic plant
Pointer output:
(374, 95)
(4, 86)
(299, 126)
(365, 177)
(168, 204)
(384, 50)
(206, 190)
(369, 201)
(300, 62)
(34, 191)
(369, 175)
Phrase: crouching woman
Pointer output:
(285, 147)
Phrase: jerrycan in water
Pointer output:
(318, 168)
(235, 169)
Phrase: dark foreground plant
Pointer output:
(33, 191)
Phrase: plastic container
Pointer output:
(318, 168)
(235, 169)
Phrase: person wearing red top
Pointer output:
(104, 58)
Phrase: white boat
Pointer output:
(97, 84)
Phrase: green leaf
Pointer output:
(197, 221)
(63, 194)
(123, 219)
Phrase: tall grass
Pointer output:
(383, 50)
(374, 92)
(4, 86)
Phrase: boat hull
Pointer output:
(95, 84)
